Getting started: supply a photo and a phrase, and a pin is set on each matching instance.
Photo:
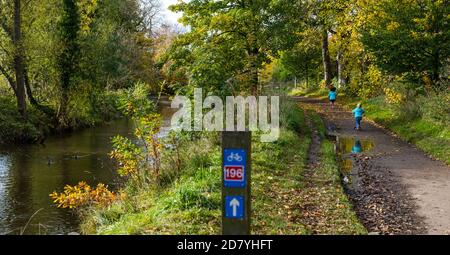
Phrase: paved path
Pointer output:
(425, 180)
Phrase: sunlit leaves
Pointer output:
(81, 195)
(139, 159)
(229, 40)
(135, 102)
(127, 154)
(409, 37)
(87, 9)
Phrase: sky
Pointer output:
(170, 16)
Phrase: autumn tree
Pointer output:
(16, 53)
(234, 38)
(304, 59)
(336, 21)
(410, 37)
(68, 58)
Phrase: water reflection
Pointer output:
(357, 148)
(346, 166)
(28, 174)
(346, 145)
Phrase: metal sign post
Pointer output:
(236, 182)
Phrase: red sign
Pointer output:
(234, 173)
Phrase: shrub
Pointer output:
(292, 117)
(82, 195)
(13, 128)
(435, 107)
(105, 105)
(366, 84)
(409, 110)
(141, 162)
(393, 97)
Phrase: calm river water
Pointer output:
(28, 174)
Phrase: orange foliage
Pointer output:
(83, 194)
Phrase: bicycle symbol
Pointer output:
(235, 156)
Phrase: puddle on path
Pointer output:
(346, 166)
(345, 148)
(354, 145)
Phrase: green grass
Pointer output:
(315, 93)
(188, 205)
(318, 124)
(334, 212)
(191, 204)
(277, 175)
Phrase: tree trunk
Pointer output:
(307, 76)
(340, 68)
(18, 61)
(70, 25)
(253, 53)
(30, 96)
(435, 67)
(326, 59)
(45, 109)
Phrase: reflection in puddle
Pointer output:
(346, 166)
(347, 146)
(357, 148)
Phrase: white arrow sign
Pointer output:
(235, 204)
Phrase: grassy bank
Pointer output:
(329, 210)
(191, 202)
(326, 208)
(422, 122)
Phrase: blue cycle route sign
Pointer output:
(234, 207)
(234, 171)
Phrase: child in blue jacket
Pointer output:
(358, 112)
(332, 96)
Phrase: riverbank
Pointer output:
(29, 173)
(423, 123)
(39, 125)
(284, 191)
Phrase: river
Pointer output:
(29, 173)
